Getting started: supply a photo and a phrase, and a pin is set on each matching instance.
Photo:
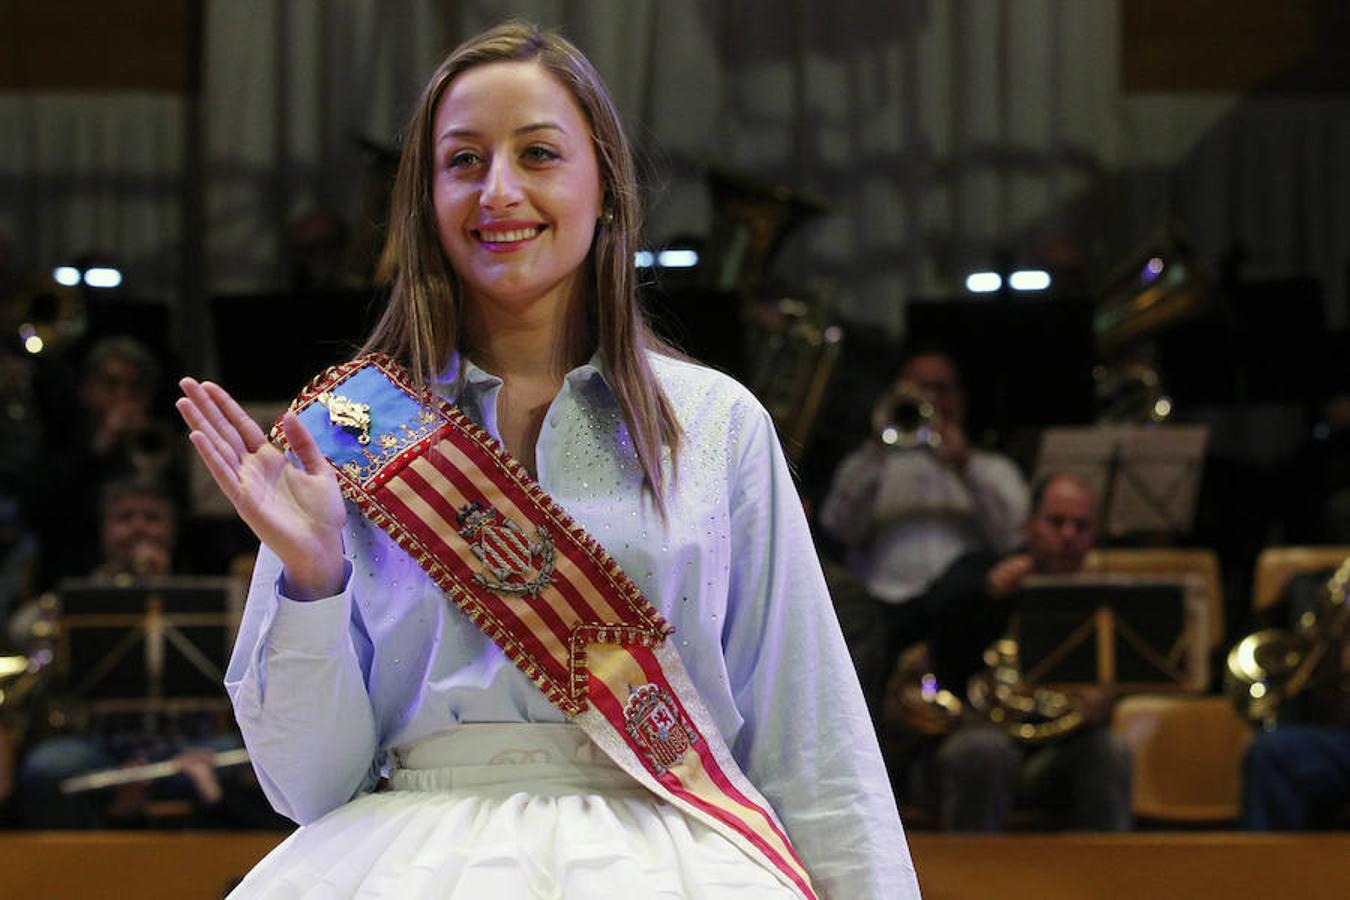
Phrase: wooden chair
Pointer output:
(1276, 565)
(1187, 756)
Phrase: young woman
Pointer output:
(510, 257)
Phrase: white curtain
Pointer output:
(941, 132)
(94, 174)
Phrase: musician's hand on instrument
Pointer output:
(1096, 704)
(128, 800)
(954, 449)
(199, 766)
(293, 505)
(1006, 576)
(150, 558)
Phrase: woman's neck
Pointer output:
(531, 348)
(530, 354)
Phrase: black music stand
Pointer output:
(158, 645)
(1125, 631)
(1146, 477)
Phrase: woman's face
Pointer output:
(516, 186)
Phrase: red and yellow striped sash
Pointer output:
(542, 588)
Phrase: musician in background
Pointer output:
(137, 534)
(1296, 777)
(1081, 780)
(904, 515)
(114, 431)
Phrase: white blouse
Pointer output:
(323, 690)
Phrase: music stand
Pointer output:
(1126, 631)
(158, 645)
(1146, 477)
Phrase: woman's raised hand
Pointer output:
(294, 507)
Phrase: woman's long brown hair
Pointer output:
(421, 326)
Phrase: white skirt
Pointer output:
(498, 812)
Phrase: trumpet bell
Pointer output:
(907, 421)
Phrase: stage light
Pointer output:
(644, 259)
(1029, 280)
(66, 275)
(983, 282)
(102, 277)
(677, 259)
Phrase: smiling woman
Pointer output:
(481, 536)
(518, 201)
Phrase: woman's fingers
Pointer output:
(203, 429)
(249, 431)
(225, 475)
(303, 444)
(212, 418)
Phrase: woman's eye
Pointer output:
(463, 159)
(540, 154)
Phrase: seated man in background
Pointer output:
(66, 739)
(1082, 779)
(117, 431)
(1296, 776)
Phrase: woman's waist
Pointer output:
(547, 757)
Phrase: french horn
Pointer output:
(1028, 714)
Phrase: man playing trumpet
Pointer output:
(910, 500)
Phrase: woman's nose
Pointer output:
(501, 186)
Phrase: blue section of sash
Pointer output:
(390, 408)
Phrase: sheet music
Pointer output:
(1146, 478)
(1158, 480)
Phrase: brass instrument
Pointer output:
(793, 342)
(1157, 288)
(905, 419)
(794, 353)
(45, 316)
(22, 671)
(1271, 667)
(1031, 715)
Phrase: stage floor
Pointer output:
(188, 865)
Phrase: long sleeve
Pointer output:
(807, 741)
(297, 682)
(847, 510)
(1000, 498)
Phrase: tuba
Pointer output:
(1159, 287)
(1269, 669)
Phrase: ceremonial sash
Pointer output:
(542, 588)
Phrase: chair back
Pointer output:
(1187, 756)
(1277, 565)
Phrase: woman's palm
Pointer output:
(292, 503)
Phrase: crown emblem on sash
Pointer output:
(657, 728)
(512, 564)
(348, 415)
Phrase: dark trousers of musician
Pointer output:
(1297, 778)
(976, 776)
